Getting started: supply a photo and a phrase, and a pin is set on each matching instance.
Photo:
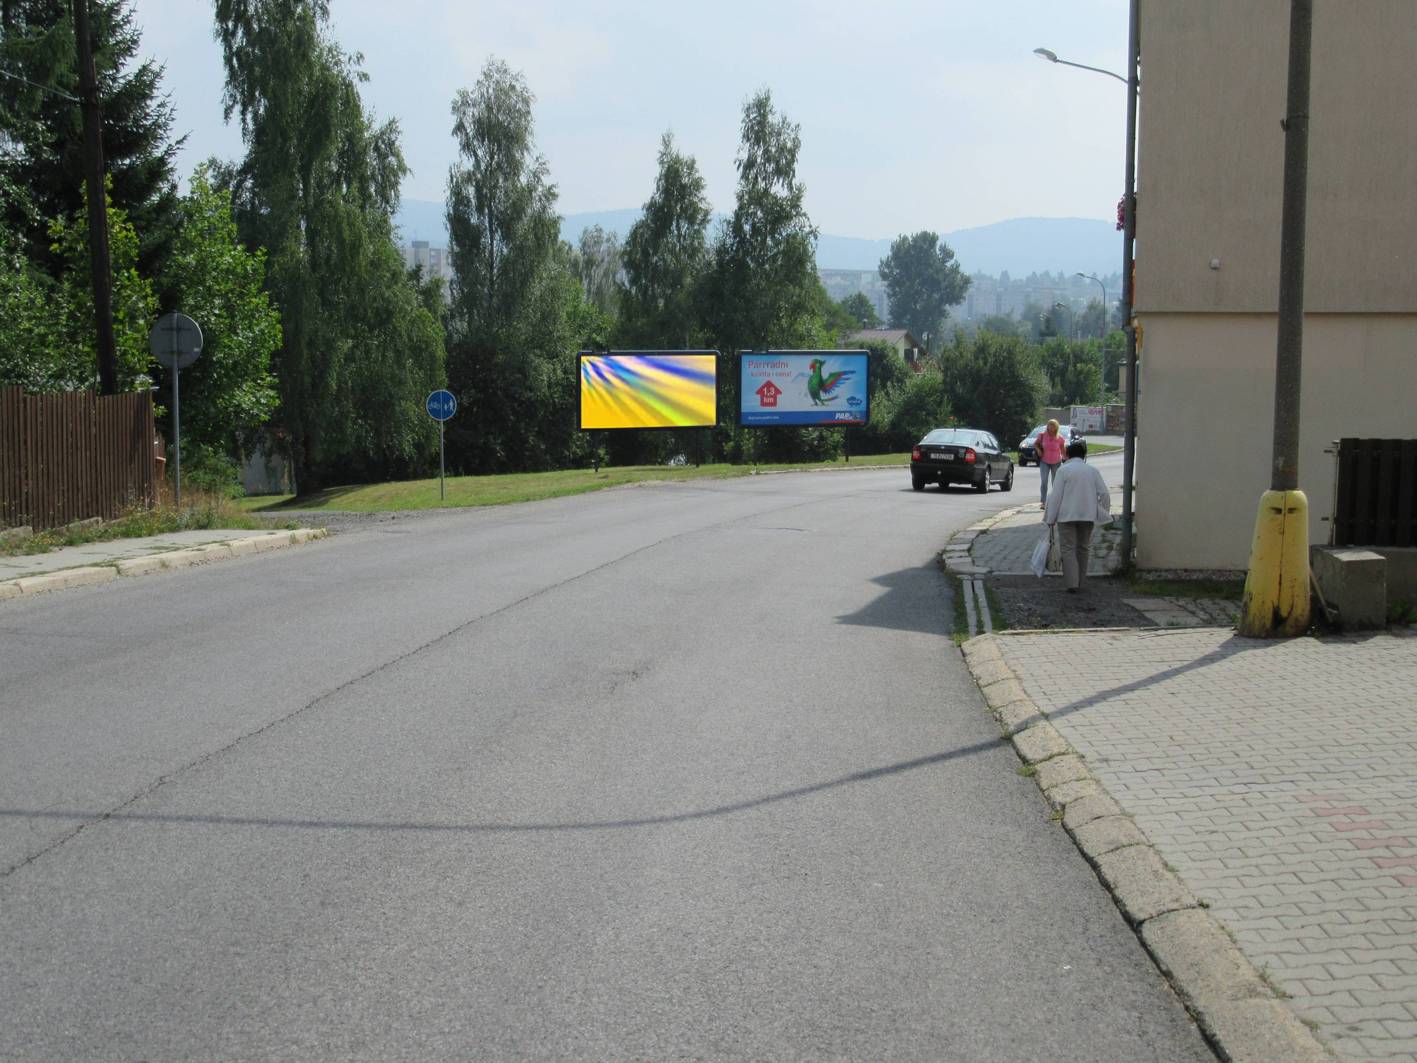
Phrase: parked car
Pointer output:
(1027, 446)
(960, 456)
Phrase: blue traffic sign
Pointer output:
(441, 405)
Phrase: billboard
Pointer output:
(803, 388)
(648, 389)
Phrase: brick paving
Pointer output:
(1279, 779)
(1008, 545)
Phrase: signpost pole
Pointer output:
(176, 342)
(441, 495)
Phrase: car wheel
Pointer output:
(919, 485)
(983, 485)
(1008, 484)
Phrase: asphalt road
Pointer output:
(678, 771)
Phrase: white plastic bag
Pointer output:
(1039, 562)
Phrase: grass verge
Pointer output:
(996, 611)
(1230, 590)
(198, 513)
(464, 491)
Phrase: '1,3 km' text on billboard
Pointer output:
(648, 389)
(804, 388)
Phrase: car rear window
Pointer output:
(952, 435)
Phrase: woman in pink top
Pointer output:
(1050, 446)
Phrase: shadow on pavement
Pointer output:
(796, 793)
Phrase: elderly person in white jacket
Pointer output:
(1078, 501)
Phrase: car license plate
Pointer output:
(941, 455)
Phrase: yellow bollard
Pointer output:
(1277, 585)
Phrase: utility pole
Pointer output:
(1129, 237)
(98, 204)
(1277, 585)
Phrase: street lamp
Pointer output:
(1129, 232)
(1052, 57)
(1092, 277)
(1072, 319)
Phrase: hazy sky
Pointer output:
(914, 115)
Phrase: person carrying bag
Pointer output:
(1079, 501)
(1049, 447)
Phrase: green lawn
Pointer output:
(465, 491)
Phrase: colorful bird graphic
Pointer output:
(821, 387)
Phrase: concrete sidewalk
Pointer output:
(1228, 789)
(100, 562)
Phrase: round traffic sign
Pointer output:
(175, 341)
(441, 404)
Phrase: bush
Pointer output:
(211, 471)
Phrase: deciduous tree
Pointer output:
(209, 276)
(665, 257)
(923, 281)
(510, 345)
(861, 310)
(993, 382)
(317, 189)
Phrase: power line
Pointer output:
(43, 88)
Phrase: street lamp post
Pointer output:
(1129, 231)
(1102, 332)
(1052, 57)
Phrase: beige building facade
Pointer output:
(1210, 172)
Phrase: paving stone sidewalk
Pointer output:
(1279, 779)
(1004, 546)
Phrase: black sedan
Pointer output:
(960, 456)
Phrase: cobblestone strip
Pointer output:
(140, 566)
(1234, 1006)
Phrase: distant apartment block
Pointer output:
(988, 295)
(436, 261)
(841, 283)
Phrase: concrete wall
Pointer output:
(1206, 421)
(1211, 156)
(1210, 173)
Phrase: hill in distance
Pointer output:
(1019, 245)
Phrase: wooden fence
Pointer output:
(74, 455)
(1375, 503)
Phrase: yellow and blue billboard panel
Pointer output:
(648, 389)
(823, 388)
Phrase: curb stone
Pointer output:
(91, 575)
(1086, 809)
(1039, 743)
(1233, 1006)
(1062, 797)
(1222, 989)
(86, 576)
(1058, 770)
(1106, 834)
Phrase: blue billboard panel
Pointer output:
(821, 388)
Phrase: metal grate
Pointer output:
(1375, 498)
